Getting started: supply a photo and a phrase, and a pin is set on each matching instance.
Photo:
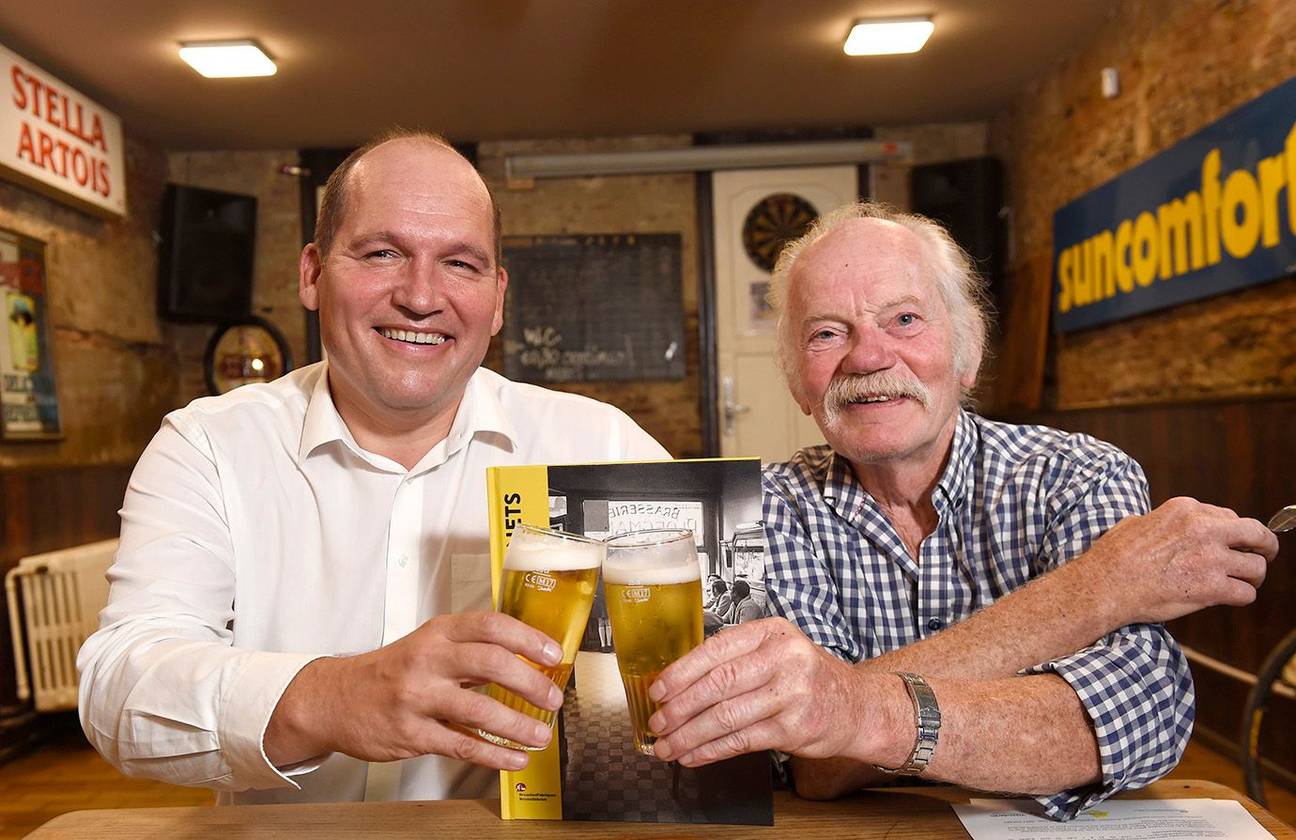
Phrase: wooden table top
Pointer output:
(887, 812)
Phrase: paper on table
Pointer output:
(1119, 819)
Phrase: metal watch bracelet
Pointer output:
(928, 717)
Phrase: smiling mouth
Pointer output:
(876, 399)
(412, 337)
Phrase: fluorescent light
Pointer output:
(706, 158)
(227, 59)
(888, 36)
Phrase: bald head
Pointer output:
(335, 199)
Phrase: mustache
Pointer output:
(853, 387)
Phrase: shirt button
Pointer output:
(933, 625)
(400, 561)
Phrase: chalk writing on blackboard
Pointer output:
(593, 307)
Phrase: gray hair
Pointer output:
(959, 284)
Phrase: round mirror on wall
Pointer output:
(247, 350)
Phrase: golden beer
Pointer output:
(549, 583)
(654, 597)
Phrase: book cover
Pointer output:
(591, 771)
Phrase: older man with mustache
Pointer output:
(965, 600)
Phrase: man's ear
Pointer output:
(501, 286)
(968, 376)
(309, 268)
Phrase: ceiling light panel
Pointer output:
(227, 59)
(888, 36)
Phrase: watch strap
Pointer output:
(927, 720)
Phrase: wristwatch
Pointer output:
(927, 714)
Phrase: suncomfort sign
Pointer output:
(1214, 213)
(55, 140)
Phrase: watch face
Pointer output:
(243, 353)
(776, 220)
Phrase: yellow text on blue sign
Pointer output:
(1231, 215)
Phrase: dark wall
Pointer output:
(43, 509)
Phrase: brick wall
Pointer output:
(1183, 64)
(667, 409)
(114, 364)
(278, 244)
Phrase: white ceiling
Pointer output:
(496, 69)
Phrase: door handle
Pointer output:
(730, 409)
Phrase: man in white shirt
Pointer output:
(303, 582)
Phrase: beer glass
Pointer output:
(654, 598)
(549, 582)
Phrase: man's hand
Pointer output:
(1180, 558)
(413, 697)
(758, 686)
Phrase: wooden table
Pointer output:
(891, 812)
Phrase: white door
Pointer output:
(755, 210)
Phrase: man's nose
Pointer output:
(870, 351)
(422, 289)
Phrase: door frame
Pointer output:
(708, 373)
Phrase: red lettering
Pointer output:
(80, 167)
(19, 95)
(97, 134)
(25, 144)
(56, 108)
(63, 149)
(64, 159)
(46, 150)
(51, 106)
(36, 88)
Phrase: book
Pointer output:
(590, 770)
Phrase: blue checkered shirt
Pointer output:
(1014, 502)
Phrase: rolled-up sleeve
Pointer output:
(1137, 690)
(163, 694)
(1134, 683)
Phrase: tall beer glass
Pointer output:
(654, 598)
(549, 583)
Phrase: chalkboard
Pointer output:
(596, 307)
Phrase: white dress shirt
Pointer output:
(257, 536)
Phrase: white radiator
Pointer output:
(61, 594)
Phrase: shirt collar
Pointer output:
(841, 489)
(846, 496)
(953, 485)
(480, 413)
(322, 424)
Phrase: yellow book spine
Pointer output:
(520, 495)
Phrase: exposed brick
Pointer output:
(114, 366)
(1183, 65)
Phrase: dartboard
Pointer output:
(776, 220)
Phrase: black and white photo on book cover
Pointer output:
(604, 777)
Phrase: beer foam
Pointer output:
(638, 575)
(569, 555)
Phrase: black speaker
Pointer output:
(205, 256)
(966, 196)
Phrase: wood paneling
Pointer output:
(43, 509)
(1240, 454)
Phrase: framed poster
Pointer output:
(28, 401)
